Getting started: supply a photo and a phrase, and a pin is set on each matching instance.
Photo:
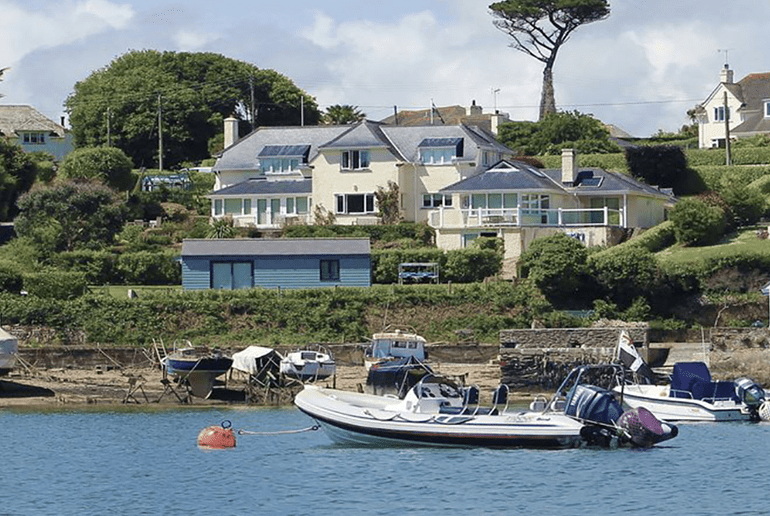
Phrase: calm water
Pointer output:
(147, 462)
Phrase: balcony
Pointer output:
(446, 218)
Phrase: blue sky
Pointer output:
(641, 69)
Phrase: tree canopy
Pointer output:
(539, 28)
(119, 105)
(557, 131)
(343, 114)
(17, 174)
(108, 164)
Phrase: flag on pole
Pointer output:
(630, 358)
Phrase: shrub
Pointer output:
(747, 204)
(54, 284)
(385, 262)
(97, 266)
(10, 278)
(625, 274)
(471, 264)
(558, 266)
(109, 164)
(149, 268)
(696, 223)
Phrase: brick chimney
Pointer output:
(474, 110)
(569, 168)
(231, 131)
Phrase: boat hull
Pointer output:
(200, 373)
(363, 419)
(682, 409)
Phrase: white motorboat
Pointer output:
(390, 345)
(691, 394)
(439, 412)
(308, 365)
(9, 347)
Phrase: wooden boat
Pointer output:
(199, 368)
(439, 412)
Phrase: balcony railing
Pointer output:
(500, 217)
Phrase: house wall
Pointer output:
(286, 272)
(710, 130)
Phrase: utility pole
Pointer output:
(251, 87)
(160, 134)
(727, 131)
(302, 110)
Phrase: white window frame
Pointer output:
(436, 200)
(342, 203)
(355, 160)
(767, 109)
(719, 113)
(438, 155)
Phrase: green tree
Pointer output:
(17, 175)
(557, 131)
(697, 223)
(539, 28)
(70, 215)
(119, 105)
(624, 274)
(746, 203)
(341, 115)
(558, 266)
(664, 166)
(389, 203)
(108, 164)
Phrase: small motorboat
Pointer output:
(690, 394)
(396, 376)
(196, 367)
(390, 345)
(437, 411)
(9, 348)
(308, 366)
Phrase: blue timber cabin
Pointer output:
(286, 263)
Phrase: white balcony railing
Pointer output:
(499, 217)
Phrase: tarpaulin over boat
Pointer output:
(254, 359)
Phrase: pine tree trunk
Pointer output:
(547, 99)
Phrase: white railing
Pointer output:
(496, 217)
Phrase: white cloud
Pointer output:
(192, 40)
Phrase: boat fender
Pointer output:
(764, 411)
(217, 437)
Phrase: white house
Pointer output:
(745, 104)
(33, 131)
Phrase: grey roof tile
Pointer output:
(275, 246)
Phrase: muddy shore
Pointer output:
(60, 387)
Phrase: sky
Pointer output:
(640, 69)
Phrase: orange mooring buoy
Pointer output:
(217, 437)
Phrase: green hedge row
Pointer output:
(458, 266)
(137, 268)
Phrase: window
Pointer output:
(330, 270)
(278, 165)
(218, 207)
(231, 275)
(719, 113)
(34, 138)
(440, 151)
(282, 159)
(436, 200)
(233, 206)
(767, 108)
(355, 203)
(355, 160)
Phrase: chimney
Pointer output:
(474, 109)
(726, 75)
(569, 167)
(231, 131)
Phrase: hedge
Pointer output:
(53, 284)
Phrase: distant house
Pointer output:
(153, 182)
(519, 203)
(275, 263)
(27, 127)
(450, 115)
(747, 109)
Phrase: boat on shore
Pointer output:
(198, 368)
(9, 348)
(395, 344)
(308, 365)
(690, 394)
(440, 412)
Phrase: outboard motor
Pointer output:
(753, 396)
(594, 405)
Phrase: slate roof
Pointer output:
(265, 187)
(275, 246)
(15, 118)
(402, 142)
(515, 176)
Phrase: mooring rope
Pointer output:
(281, 432)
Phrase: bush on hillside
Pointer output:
(55, 284)
(10, 278)
(149, 268)
(664, 166)
(696, 223)
(746, 203)
(108, 164)
(558, 264)
(624, 275)
(471, 265)
(97, 266)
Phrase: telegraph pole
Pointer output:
(160, 134)
(727, 131)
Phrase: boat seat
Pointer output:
(471, 399)
(500, 397)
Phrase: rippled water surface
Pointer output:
(147, 462)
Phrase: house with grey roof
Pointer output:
(277, 175)
(294, 263)
(745, 104)
(519, 203)
(33, 131)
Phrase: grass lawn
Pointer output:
(121, 291)
(744, 241)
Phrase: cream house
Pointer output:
(745, 104)
(277, 175)
(519, 203)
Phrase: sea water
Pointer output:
(136, 461)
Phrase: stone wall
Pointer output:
(546, 338)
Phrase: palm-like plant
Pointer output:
(343, 114)
(221, 228)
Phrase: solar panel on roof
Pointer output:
(285, 150)
(590, 181)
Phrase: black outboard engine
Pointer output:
(597, 405)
